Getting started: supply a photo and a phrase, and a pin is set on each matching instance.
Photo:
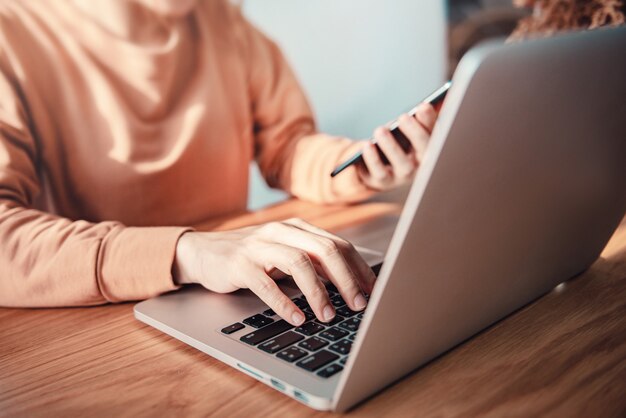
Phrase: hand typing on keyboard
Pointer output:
(246, 258)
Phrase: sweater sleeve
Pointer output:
(47, 260)
(289, 151)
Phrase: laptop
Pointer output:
(520, 189)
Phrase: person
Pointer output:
(553, 16)
(123, 123)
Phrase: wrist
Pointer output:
(183, 249)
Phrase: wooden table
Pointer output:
(564, 355)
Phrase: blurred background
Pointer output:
(363, 62)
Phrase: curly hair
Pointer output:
(553, 16)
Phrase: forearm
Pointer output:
(312, 159)
(52, 261)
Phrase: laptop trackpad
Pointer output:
(374, 235)
(371, 257)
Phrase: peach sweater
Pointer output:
(110, 149)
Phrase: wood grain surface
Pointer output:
(563, 355)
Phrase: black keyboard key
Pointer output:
(300, 302)
(334, 334)
(269, 312)
(331, 288)
(313, 343)
(258, 321)
(308, 315)
(280, 342)
(291, 354)
(317, 360)
(337, 319)
(329, 371)
(233, 328)
(351, 324)
(337, 301)
(343, 361)
(272, 330)
(352, 337)
(360, 315)
(345, 311)
(310, 328)
(341, 347)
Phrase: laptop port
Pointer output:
(278, 385)
(250, 371)
(300, 396)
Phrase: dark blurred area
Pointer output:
(472, 21)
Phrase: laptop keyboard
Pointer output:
(315, 346)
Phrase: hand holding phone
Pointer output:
(434, 99)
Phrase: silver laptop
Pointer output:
(520, 189)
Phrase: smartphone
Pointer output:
(434, 99)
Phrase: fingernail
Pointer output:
(359, 301)
(297, 318)
(329, 313)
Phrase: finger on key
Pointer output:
(365, 277)
(269, 292)
(298, 264)
(325, 251)
(328, 251)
